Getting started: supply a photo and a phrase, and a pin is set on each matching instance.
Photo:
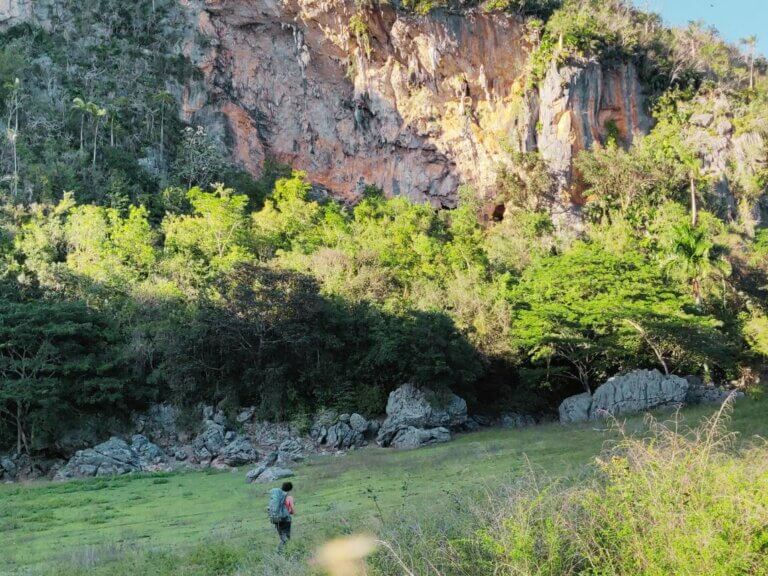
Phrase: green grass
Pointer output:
(46, 526)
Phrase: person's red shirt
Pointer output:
(289, 504)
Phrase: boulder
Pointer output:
(358, 423)
(151, 457)
(8, 467)
(575, 408)
(266, 474)
(411, 437)
(238, 452)
(412, 407)
(637, 391)
(159, 424)
(110, 458)
(210, 442)
(290, 450)
(273, 474)
(246, 415)
(339, 432)
(515, 420)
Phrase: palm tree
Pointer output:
(750, 43)
(80, 105)
(96, 112)
(692, 256)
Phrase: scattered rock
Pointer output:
(238, 452)
(701, 393)
(246, 415)
(575, 408)
(151, 457)
(290, 451)
(515, 420)
(412, 407)
(411, 437)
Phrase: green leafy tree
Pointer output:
(56, 359)
(589, 312)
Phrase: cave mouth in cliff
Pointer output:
(498, 212)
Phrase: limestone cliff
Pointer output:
(416, 105)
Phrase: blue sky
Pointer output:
(734, 18)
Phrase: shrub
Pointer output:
(671, 501)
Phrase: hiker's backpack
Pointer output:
(277, 511)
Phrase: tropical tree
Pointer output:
(692, 255)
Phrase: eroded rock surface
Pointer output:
(636, 391)
(410, 407)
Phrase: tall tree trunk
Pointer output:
(95, 141)
(82, 131)
(694, 206)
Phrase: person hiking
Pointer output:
(280, 510)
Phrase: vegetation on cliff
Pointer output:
(210, 287)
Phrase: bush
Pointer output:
(669, 502)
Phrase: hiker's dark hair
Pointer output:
(287, 486)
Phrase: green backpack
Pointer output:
(277, 510)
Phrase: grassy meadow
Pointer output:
(206, 523)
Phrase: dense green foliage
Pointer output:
(206, 286)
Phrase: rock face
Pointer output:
(418, 105)
(219, 447)
(410, 407)
(341, 432)
(115, 457)
(635, 391)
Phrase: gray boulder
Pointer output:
(290, 450)
(110, 458)
(246, 415)
(412, 407)
(515, 420)
(358, 423)
(575, 408)
(151, 457)
(411, 437)
(210, 442)
(637, 391)
(238, 452)
(264, 474)
(8, 467)
(273, 474)
(339, 432)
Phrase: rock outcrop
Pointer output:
(341, 432)
(410, 408)
(115, 457)
(633, 392)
